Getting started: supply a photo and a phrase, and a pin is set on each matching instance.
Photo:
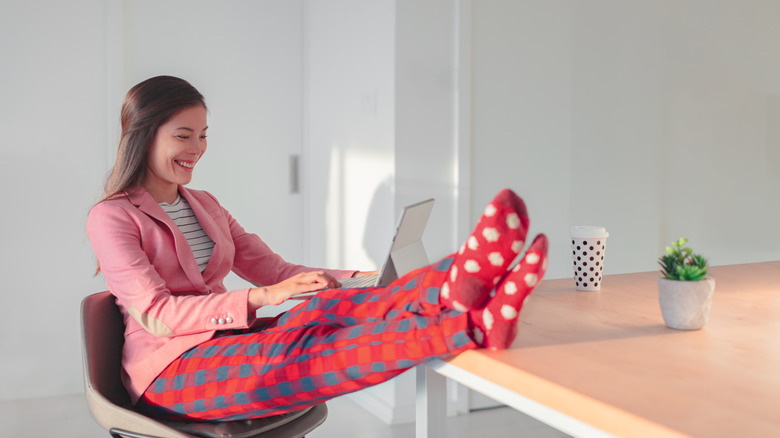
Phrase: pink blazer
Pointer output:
(167, 304)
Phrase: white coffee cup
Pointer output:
(588, 246)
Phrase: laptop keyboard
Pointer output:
(354, 282)
(347, 283)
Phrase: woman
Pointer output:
(194, 350)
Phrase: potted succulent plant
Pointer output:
(684, 291)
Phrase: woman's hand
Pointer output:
(297, 284)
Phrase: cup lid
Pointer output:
(587, 231)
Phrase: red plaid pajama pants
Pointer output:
(337, 342)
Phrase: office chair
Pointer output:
(102, 337)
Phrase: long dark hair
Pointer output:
(146, 106)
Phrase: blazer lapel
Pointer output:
(145, 203)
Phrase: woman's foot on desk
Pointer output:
(495, 326)
(487, 254)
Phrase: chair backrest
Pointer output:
(103, 337)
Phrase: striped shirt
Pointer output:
(200, 243)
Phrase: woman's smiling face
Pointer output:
(178, 145)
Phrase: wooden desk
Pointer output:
(593, 362)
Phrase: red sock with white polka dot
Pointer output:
(495, 326)
(485, 257)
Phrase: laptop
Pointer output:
(406, 250)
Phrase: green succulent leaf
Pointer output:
(681, 263)
(698, 260)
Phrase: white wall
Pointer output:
(426, 130)
(721, 127)
(52, 101)
(348, 162)
(654, 119)
(521, 109)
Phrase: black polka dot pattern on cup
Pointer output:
(588, 261)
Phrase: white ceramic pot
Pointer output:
(685, 305)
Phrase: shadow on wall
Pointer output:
(378, 222)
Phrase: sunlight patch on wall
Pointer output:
(359, 208)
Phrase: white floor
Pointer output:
(68, 417)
